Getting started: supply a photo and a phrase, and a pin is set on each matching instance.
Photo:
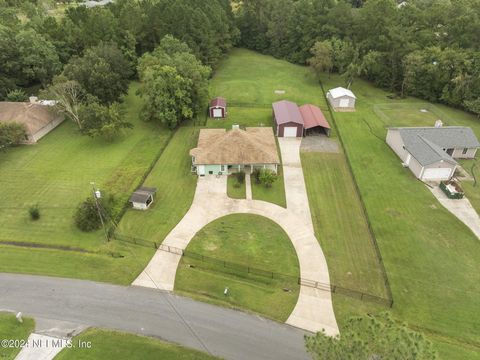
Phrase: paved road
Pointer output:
(225, 333)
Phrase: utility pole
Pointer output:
(96, 196)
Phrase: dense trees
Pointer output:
(428, 49)
(86, 58)
(103, 72)
(174, 83)
(32, 51)
(424, 48)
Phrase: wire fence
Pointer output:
(223, 266)
(370, 228)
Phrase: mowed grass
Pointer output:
(431, 257)
(274, 194)
(113, 345)
(246, 77)
(243, 116)
(11, 329)
(116, 262)
(235, 189)
(56, 174)
(340, 224)
(251, 241)
(175, 185)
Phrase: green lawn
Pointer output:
(246, 77)
(11, 329)
(243, 116)
(251, 241)
(431, 257)
(340, 224)
(113, 345)
(235, 190)
(175, 183)
(56, 174)
(274, 194)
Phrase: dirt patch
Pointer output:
(44, 246)
(319, 143)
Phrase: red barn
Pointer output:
(218, 108)
(287, 119)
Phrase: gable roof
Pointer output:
(426, 144)
(340, 91)
(142, 194)
(287, 111)
(313, 116)
(218, 101)
(250, 146)
(33, 116)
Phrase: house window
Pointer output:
(465, 151)
(222, 167)
(210, 172)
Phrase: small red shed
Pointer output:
(287, 119)
(218, 108)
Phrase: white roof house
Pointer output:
(341, 99)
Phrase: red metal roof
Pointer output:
(219, 102)
(313, 116)
(287, 111)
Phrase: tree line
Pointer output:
(424, 48)
(86, 57)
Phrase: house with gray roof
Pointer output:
(430, 152)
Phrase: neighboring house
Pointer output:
(341, 99)
(142, 198)
(292, 121)
(218, 108)
(38, 118)
(221, 152)
(430, 152)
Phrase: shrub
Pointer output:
(17, 95)
(34, 212)
(256, 176)
(86, 216)
(240, 177)
(267, 177)
(11, 134)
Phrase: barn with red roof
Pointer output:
(290, 120)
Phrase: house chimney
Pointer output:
(235, 126)
(438, 123)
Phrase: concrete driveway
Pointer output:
(461, 208)
(314, 309)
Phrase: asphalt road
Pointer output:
(222, 332)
